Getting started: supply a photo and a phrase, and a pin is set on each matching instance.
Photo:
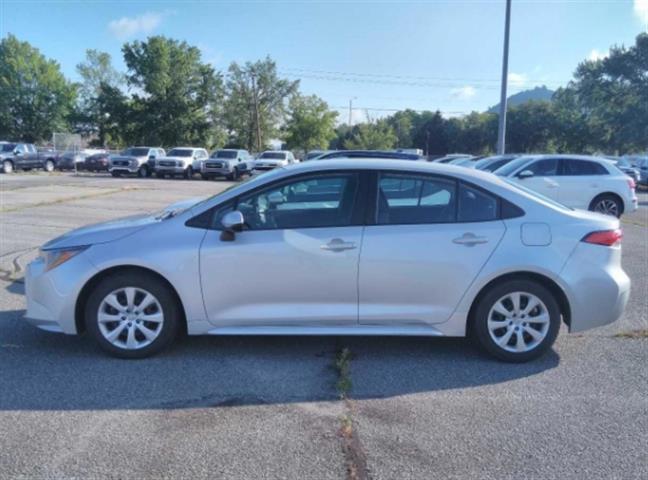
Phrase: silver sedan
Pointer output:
(343, 247)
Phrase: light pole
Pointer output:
(501, 133)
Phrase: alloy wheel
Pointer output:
(130, 318)
(607, 206)
(518, 322)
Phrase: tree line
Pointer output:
(169, 96)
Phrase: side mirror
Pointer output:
(232, 222)
(525, 174)
(17, 152)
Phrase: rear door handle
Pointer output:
(338, 245)
(470, 240)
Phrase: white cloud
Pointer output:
(595, 55)
(641, 11)
(517, 80)
(464, 93)
(127, 27)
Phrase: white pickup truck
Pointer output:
(181, 161)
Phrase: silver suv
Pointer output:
(227, 162)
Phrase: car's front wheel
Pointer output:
(143, 171)
(49, 166)
(132, 315)
(7, 166)
(516, 321)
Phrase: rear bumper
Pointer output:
(598, 291)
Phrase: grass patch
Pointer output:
(343, 367)
(643, 333)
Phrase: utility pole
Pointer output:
(351, 109)
(256, 113)
(501, 133)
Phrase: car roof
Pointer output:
(559, 156)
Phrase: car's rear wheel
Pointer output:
(143, 171)
(608, 205)
(516, 321)
(132, 315)
(49, 166)
(7, 166)
(188, 174)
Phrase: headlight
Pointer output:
(54, 258)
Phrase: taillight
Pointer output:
(631, 183)
(606, 238)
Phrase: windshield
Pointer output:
(224, 154)
(512, 166)
(274, 155)
(180, 152)
(136, 152)
(8, 147)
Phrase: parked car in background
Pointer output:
(25, 156)
(577, 181)
(451, 157)
(462, 162)
(387, 154)
(625, 166)
(274, 158)
(97, 162)
(135, 160)
(75, 159)
(490, 164)
(183, 161)
(640, 163)
(345, 246)
(228, 163)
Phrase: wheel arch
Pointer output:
(79, 307)
(548, 283)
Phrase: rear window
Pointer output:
(8, 147)
(476, 205)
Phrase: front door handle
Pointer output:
(338, 245)
(470, 240)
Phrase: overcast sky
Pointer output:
(436, 54)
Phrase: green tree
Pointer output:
(371, 136)
(178, 98)
(532, 128)
(256, 103)
(311, 125)
(612, 93)
(97, 75)
(35, 98)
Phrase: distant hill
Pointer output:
(537, 93)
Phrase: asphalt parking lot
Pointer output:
(254, 407)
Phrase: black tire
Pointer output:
(608, 204)
(7, 167)
(479, 326)
(170, 328)
(188, 174)
(115, 174)
(143, 171)
(49, 166)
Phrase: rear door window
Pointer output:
(582, 167)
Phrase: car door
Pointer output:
(295, 263)
(545, 179)
(21, 156)
(580, 181)
(430, 237)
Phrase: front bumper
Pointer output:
(169, 170)
(51, 296)
(598, 288)
(123, 169)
